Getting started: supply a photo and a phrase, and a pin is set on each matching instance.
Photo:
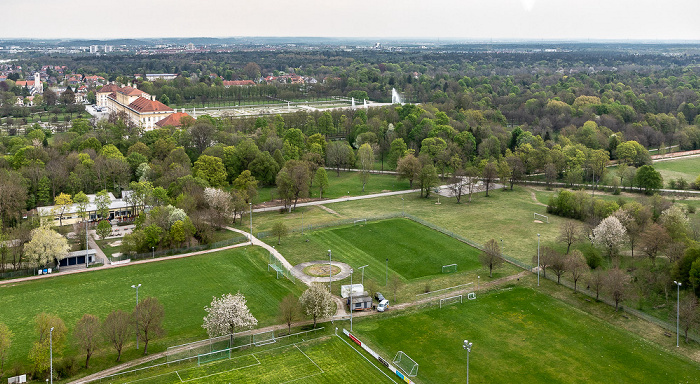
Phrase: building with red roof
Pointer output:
(141, 108)
(174, 120)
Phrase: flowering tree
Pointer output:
(45, 246)
(317, 302)
(609, 234)
(227, 315)
(220, 202)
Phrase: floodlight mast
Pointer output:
(468, 347)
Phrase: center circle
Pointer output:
(321, 270)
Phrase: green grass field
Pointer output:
(339, 186)
(687, 168)
(522, 336)
(324, 360)
(184, 286)
(413, 250)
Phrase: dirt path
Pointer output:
(341, 314)
(332, 212)
(534, 198)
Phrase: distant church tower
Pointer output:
(38, 86)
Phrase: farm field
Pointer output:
(324, 360)
(184, 286)
(522, 336)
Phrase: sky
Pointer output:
(447, 19)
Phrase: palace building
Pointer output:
(141, 108)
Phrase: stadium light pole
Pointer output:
(251, 222)
(153, 252)
(468, 347)
(678, 310)
(351, 303)
(403, 207)
(363, 274)
(330, 270)
(51, 353)
(538, 259)
(87, 246)
(137, 305)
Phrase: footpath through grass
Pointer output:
(522, 336)
(184, 286)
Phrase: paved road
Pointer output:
(339, 200)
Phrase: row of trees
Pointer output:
(90, 334)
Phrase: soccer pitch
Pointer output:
(522, 336)
(413, 250)
(324, 360)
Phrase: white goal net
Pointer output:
(541, 217)
(450, 268)
(360, 222)
(450, 300)
(406, 364)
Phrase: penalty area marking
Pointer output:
(365, 357)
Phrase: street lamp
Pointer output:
(137, 305)
(330, 270)
(468, 346)
(678, 309)
(153, 251)
(87, 246)
(363, 274)
(51, 353)
(403, 207)
(251, 222)
(538, 259)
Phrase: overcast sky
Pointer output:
(468, 19)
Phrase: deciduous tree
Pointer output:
(365, 157)
(289, 311)
(654, 240)
(104, 229)
(577, 266)
(87, 335)
(408, 168)
(490, 257)
(609, 234)
(116, 330)
(148, 316)
(45, 246)
(489, 174)
(616, 282)
(62, 204)
(279, 230)
(569, 234)
(688, 314)
(317, 302)
(321, 179)
(39, 354)
(227, 315)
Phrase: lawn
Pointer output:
(522, 336)
(325, 360)
(687, 168)
(339, 186)
(184, 286)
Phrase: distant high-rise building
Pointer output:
(109, 48)
(94, 48)
(190, 47)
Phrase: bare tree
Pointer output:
(570, 233)
(395, 285)
(471, 174)
(116, 329)
(289, 311)
(317, 302)
(675, 251)
(550, 174)
(688, 313)
(458, 184)
(490, 257)
(489, 175)
(87, 335)
(654, 240)
(576, 264)
(148, 316)
(595, 281)
(557, 263)
(616, 282)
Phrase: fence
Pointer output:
(190, 353)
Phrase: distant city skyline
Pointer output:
(389, 19)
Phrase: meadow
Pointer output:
(521, 336)
(184, 287)
(686, 168)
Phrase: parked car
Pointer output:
(379, 296)
(383, 306)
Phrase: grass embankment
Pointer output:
(184, 286)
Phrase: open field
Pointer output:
(687, 168)
(184, 286)
(339, 186)
(521, 336)
(325, 360)
(413, 250)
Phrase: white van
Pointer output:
(383, 305)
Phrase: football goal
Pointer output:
(541, 217)
(360, 222)
(406, 364)
(213, 356)
(264, 338)
(449, 268)
(451, 300)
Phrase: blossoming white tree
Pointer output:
(46, 245)
(609, 234)
(220, 203)
(317, 302)
(227, 315)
